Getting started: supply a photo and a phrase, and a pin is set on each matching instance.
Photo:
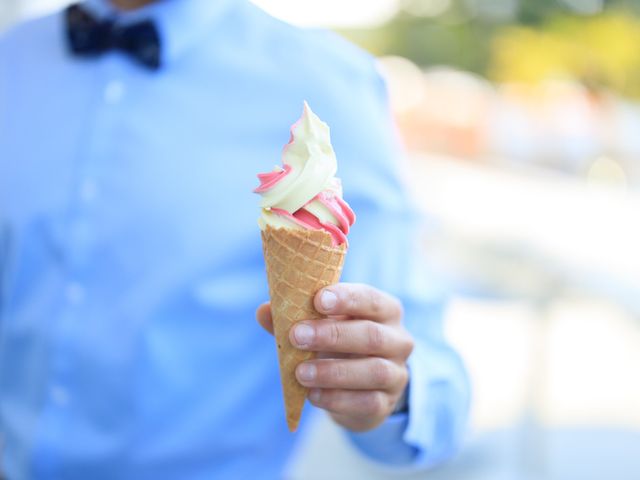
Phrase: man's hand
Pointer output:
(360, 373)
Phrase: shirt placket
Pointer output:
(77, 238)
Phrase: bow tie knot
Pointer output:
(90, 37)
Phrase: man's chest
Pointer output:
(136, 150)
(133, 169)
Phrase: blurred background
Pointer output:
(521, 120)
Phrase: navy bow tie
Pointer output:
(90, 37)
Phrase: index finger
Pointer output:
(263, 315)
(358, 300)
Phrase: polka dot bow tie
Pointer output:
(90, 37)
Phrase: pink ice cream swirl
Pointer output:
(304, 193)
(338, 208)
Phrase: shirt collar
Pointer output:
(180, 23)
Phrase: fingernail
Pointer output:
(304, 335)
(314, 395)
(328, 300)
(306, 372)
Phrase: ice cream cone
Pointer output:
(299, 263)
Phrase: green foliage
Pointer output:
(599, 51)
(537, 11)
(557, 37)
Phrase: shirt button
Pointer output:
(74, 293)
(59, 395)
(88, 191)
(113, 92)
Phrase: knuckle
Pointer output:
(375, 337)
(375, 301)
(332, 334)
(408, 344)
(404, 376)
(381, 372)
(337, 373)
(353, 299)
(373, 403)
(398, 308)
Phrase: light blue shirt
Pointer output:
(130, 257)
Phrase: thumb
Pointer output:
(263, 315)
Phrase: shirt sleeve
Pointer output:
(385, 252)
(3, 189)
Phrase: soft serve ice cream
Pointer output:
(304, 193)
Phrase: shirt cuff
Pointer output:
(385, 443)
(435, 424)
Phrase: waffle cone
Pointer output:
(299, 263)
